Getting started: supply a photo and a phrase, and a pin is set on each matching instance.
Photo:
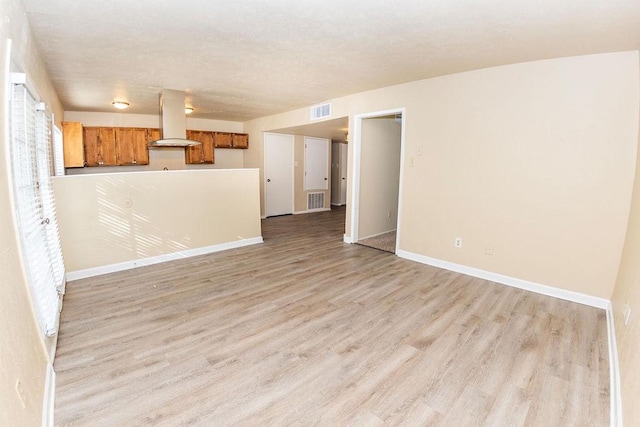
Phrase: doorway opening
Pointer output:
(377, 179)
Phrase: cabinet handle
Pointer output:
(134, 161)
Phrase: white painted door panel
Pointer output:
(278, 174)
(344, 150)
(316, 163)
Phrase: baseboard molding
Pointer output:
(338, 204)
(375, 235)
(614, 368)
(48, 403)
(311, 211)
(347, 239)
(127, 265)
(509, 281)
(615, 397)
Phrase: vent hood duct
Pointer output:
(174, 122)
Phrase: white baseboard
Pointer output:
(377, 234)
(615, 398)
(338, 204)
(509, 281)
(127, 265)
(347, 239)
(48, 403)
(312, 211)
(614, 369)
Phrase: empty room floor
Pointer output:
(307, 330)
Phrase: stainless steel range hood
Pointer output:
(174, 122)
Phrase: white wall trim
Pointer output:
(347, 239)
(615, 397)
(48, 403)
(112, 268)
(509, 281)
(379, 234)
(355, 165)
(312, 211)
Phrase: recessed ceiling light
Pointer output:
(120, 105)
(188, 110)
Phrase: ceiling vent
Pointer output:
(320, 111)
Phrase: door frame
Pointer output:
(355, 165)
(265, 177)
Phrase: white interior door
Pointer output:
(344, 150)
(335, 173)
(278, 174)
(316, 163)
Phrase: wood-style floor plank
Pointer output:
(307, 330)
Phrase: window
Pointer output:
(31, 166)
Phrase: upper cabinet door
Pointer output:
(107, 138)
(200, 154)
(240, 140)
(222, 140)
(72, 144)
(132, 146)
(99, 146)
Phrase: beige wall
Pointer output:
(170, 157)
(23, 352)
(107, 219)
(379, 176)
(627, 290)
(535, 160)
(299, 193)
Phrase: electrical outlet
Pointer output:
(20, 393)
(488, 250)
(458, 242)
(627, 313)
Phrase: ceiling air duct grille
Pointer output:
(320, 111)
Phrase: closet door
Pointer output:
(278, 174)
(316, 163)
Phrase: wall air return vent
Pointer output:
(320, 111)
(315, 201)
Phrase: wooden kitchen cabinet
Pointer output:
(240, 140)
(200, 154)
(72, 144)
(153, 134)
(222, 140)
(99, 146)
(132, 146)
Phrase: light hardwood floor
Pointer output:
(307, 330)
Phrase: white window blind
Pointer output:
(58, 152)
(31, 165)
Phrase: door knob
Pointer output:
(268, 180)
(344, 178)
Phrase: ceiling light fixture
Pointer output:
(188, 110)
(120, 105)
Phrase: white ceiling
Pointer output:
(243, 59)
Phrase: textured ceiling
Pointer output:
(241, 59)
